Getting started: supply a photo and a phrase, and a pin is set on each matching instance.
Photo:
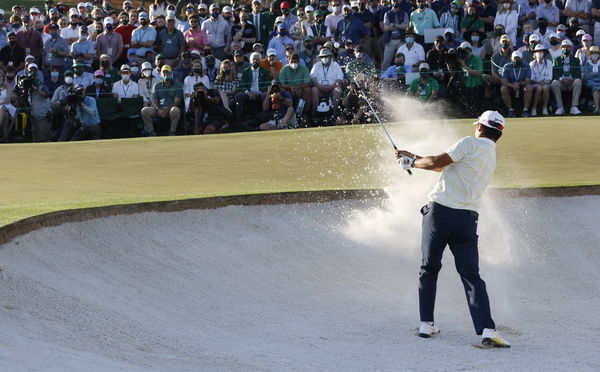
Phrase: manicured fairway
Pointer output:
(39, 178)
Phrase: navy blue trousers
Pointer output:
(456, 228)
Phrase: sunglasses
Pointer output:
(289, 48)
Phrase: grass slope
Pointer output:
(46, 177)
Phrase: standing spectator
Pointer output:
(83, 48)
(81, 76)
(171, 43)
(158, 8)
(509, 18)
(279, 42)
(425, 87)
(99, 89)
(541, 78)
(527, 12)
(30, 39)
(395, 22)
(351, 28)
(263, 23)
(71, 32)
(56, 49)
(487, 13)
(195, 38)
(451, 41)
(146, 82)
(516, 81)
(110, 42)
(295, 79)
(566, 76)
(451, 19)
(423, 19)
(332, 19)
(255, 80)
(321, 33)
(125, 88)
(244, 31)
(218, 32)
(54, 18)
(592, 76)
(327, 77)
(125, 29)
(595, 12)
(167, 97)
(471, 22)
(12, 55)
(143, 37)
(550, 12)
(581, 10)
(7, 110)
(288, 18)
(413, 52)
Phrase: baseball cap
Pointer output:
(561, 27)
(516, 54)
(170, 17)
(146, 66)
(586, 37)
(68, 73)
(143, 15)
(126, 68)
(271, 52)
(160, 56)
(53, 11)
(554, 35)
(594, 49)
(32, 65)
(566, 42)
(534, 37)
(166, 68)
(580, 32)
(53, 26)
(34, 10)
(29, 57)
(238, 53)
(346, 6)
(282, 27)
(354, 4)
(214, 6)
(448, 31)
(285, 5)
(132, 51)
(504, 37)
(540, 47)
(108, 21)
(203, 6)
(308, 8)
(99, 73)
(73, 11)
(491, 119)
(465, 45)
(424, 65)
(227, 9)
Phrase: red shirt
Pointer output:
(125, 32)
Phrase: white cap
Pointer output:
(580, 32)
(214, 6)
(271, 52)
(195, 51)
(73, 11)
(170, 16)
(309, 8)
(465, 45)
(108, 21)
(29, 56)
(534, 37)
(202, 6)
(81, 5)
(554, 35)
(256, 1)
(1, 11)
(354, 4)
(540, 47)
(424, 65)
(448, 30)
(146, 66)
(561, 27)
(227, 9)
(516, 53)
(34, 10)
(346, 6)
(32, 65)
(566, 42)
(492, 119)
(279, 19)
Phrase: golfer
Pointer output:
(451, 219)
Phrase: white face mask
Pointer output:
(325, 61)
(68, 80)
(293, 66)
(594, 57)
(359, 55)
(125, 77)
(539, 56)
(506, 5)
(99, 81)
(82, 38)
(147, 73)
(337, 9)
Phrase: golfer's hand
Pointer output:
(406, 162)
(401, 153)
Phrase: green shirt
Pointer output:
(291, 77)
(165, 95)
(474, 63)
(471, 24)
(425, 90)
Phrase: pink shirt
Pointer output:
(199, 36)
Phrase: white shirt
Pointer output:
(255, 88)
(188, 87)
(541, 71)
(332, 20)
(69, 33)
(125, 90)
(462, 184)
(327, 75)
(413, 55)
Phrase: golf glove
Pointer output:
(407, 162)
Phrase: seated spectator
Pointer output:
(471, 21)
(554, 51)
(527, 50)
(499, 60)
(346, 55)
(212, 69)
(111, 74)
(167, 98)
(394, 78)
(422, 19)
(361, 66)
(295, 79)
(395, 22)
(482, 46)
(414, 53)
(507, 17)
(327, 77)
(255, 81)
(55, 78)
(465, 85)
(566, 76)
(196, 76)
(278, 110)
(59, 99)
(272, 64)
(7, 110)
(425, 87)
(86, 122)
(30, 60)
(239, 64)
(592, 76)
(99, 89)
(353, 111)
(210, 114)
(125, 88)
(12, 55)
(332, 19)
(146, 82)
(227, 83)
(436, 57)
(451, 41)
(584, 52)
(308, 55)
(83, 48)
(541, 78)
(516, 81)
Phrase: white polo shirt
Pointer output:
(327, 76)
(125, 90)
(462, 184)
(413, 55)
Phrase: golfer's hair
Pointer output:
(491, 133)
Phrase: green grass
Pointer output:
(40, 178)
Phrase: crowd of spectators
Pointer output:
(121, 68)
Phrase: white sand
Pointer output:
(315, 287)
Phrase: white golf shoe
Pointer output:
(545, 111)
(427, 330)
(575, 110)
(559, 111)
(491, 338)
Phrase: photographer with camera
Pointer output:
(465, 84)
(353, 112)
(278, 108)
(32, 98)
(210, 114)
(82, 117)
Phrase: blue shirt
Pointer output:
(516, 74)
(88, 116)
(141, 35)
(279, 43)
(392, 72)
(353, 29)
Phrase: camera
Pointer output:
(275, 89)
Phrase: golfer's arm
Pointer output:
(433, 163)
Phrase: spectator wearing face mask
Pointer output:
(516, 82)
(451, 19)
(509, 18)
(413, 52)
(541, 78)
(195, 38)
(581, 10)
(295, 79)
(592, 76)
(99, 89)
(554, 49)
(544, 31)
(30, 39)
(56, 49)
(59, 98)
(278, 43)
(218, 31)
(327, 78)
(351, 28)
(583, 53)
(255, 81)
(423, 19)
(167, 98)
(360, 67)
(566, 77)
(395, 22)
(83, 47)
(159, 7)
(12, 55)
(126, 87)
(146, 82)
(110, 42)
(425, 88)
(471, 22)
(71, 32)
(143, 37)
(125, 29)
(332, 19)
(81, 76)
